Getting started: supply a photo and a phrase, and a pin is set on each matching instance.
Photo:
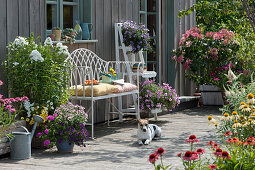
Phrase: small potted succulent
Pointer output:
(57, 32)
(155, 98)
(65, 128)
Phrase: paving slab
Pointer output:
(115, 147)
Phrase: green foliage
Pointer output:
(37, 71)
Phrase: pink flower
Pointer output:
(38, 134)
(188, 44)
(8, 107)
(55, 114)
(24, 98)
(212, 166)
(18, 99)
(46, 131)
(189, 156)
(1, 83)
(218, 152)
(216, 79)
(152, 158)
(192, 139)
(225, 155)
(212, 74)
(200, 151)
(179, 154)
(50, 118)
(180, 59)
(160, 152)
(1, 96)
(187, 64)
(46, 142)
(174, 58)
(12, 110)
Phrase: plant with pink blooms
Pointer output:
(156, 156)
(66, 124)
(156, 96)
(206, 57)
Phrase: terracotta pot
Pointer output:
(52, 36)
(57, 34)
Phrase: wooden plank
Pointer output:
(115, 19)
(24, 18)
(122, 10)
(3, 42)
(135, 11)
(12, 20)
(43, 20)
(129, 9)
(34, 11)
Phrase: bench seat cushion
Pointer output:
(126, 87)
(98, 90)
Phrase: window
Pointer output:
(62, 13)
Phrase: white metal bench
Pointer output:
(86, 65)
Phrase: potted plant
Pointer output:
(155, 98)
(207, 58)
(65, 128)
(136, 36)
(57, 32)
(69, 34)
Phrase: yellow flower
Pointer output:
(242, 103)
(22, 118)
(27, 119)
(111, 70)
(242, 117)
(249, 120)
(216, 124)
(211, 121)
(226, 114)
(250, 96)
(234, 113)
(246, 108)
(235, 121)
(33, 114)
(235, 125)
(252, 115)
(209, 117)
(32, 122)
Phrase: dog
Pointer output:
(146, 132)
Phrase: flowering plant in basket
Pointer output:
(153, 96)
(136, 36)
(66, 124)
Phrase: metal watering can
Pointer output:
(21, 144)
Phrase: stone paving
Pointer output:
(116, 147)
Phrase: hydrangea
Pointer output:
(20, 41)
(48, 42)
(36, 56)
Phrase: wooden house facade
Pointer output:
(22, 17)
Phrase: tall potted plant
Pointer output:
(206, 59)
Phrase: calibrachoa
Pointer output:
(136, 36)
(153, 96)
(67, 123)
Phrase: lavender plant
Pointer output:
(136, 36)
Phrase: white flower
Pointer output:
(28, 113)
(15, 63)
(242, 90)
(32, 108)
(228, 93)
(51, 103)
(52, 108)
(36, 56)
(20, 41)
(62, 49)
(231, 75)
(48, 42)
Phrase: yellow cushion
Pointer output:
(98, 90)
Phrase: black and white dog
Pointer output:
(146, 132)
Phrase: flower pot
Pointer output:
(57, 34)
(211, 95)
(65, 146)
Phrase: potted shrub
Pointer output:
(156, 98)
(207, 58)
(57, 32)
(65, 128)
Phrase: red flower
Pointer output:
(227, 133)
(179, 154)
(200, 151)
(152, 158)
(218, 152)
(229, 140)
(210, 143)
(225, 155)
(160, 152)
(235, 140)
(212, 166)
(192, 139)
(189, 156)
(215, 145)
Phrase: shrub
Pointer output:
(37, 71)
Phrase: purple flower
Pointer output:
(55, 114)
(46, 131)
(46, 142)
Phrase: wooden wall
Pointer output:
(104, 14)
(19, 17)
